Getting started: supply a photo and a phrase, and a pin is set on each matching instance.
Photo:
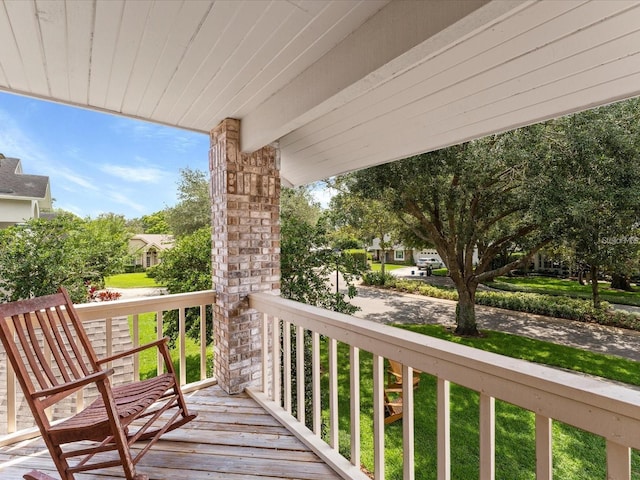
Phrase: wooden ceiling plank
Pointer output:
(602, 93)
(105, 37)
(264, 42)
(449, 66)
(313, 40)
(24, 25)
(465, 80)
(381, 46)
(199, 49)
(214, 65)
(443, 111)
(10, 62)
(133, 26)
(164, 44)
(79, 37)
(417, 135)
(52, 21)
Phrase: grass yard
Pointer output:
(147, 327)
(566, 287)
(375, 266)
(577, 455)
(130, 280)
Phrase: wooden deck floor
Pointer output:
(233, 439)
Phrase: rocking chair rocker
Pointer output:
(52, 357)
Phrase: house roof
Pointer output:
(159, 241)
(15, 184)
(341, 84)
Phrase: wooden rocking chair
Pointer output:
(52, 357)
(393, 391)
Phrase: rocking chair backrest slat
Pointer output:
(56, 344)
(27, 349)
(72, 338)
(47, 344)
(34, 345)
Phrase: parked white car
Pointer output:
(423, 262)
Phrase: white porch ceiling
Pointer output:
(341, 84)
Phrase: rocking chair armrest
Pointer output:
(73, 385)
(126, 353)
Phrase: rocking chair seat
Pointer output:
(92, 423)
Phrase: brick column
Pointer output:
(245, 192)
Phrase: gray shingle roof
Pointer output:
(13, 183)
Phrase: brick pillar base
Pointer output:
(245, 192)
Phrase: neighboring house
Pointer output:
(145, 248)
(394, 254)
(22, 196)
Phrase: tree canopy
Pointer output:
(43, 254)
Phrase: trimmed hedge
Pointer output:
(549, 305)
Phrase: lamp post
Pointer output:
(337, 252)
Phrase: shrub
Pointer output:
(359, 258)
(379, 279)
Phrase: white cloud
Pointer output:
(134, 174)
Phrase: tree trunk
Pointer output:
(382, 260)
(621, 281)
(595, 293)
(466, 311)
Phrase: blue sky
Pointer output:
(99, 163)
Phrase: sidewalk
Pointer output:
(387, 306)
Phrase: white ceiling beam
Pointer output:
(390, 42)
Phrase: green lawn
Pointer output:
(130, 280)
(566, 287)
(375, 267)
(577, 455)
(147, 327)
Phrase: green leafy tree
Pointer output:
(43, 254)
(193, 210)
(105, 244)
(185, 268)
(599, 154)
(467, 197)
(307, 263)
(367, 218)
(153, 223)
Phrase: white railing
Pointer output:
(107, 312)
(608, 410)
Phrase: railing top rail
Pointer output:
(602, 407)
(98, 310)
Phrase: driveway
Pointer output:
(385, 306)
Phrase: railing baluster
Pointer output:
(444, 429)
(354, 361)
(265, 355)
(275, 360)
(333, 393)
(378, 417)
(135, 333)
(544, 457)
(408, 460)
(286, 334)
(182, 321)
(159, 335)
(618, 461)
(487, 437)
(109, 339)
(203, 342)
(300, 377)
(315, 379)
(11, 392)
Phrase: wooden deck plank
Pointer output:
(232, 439)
